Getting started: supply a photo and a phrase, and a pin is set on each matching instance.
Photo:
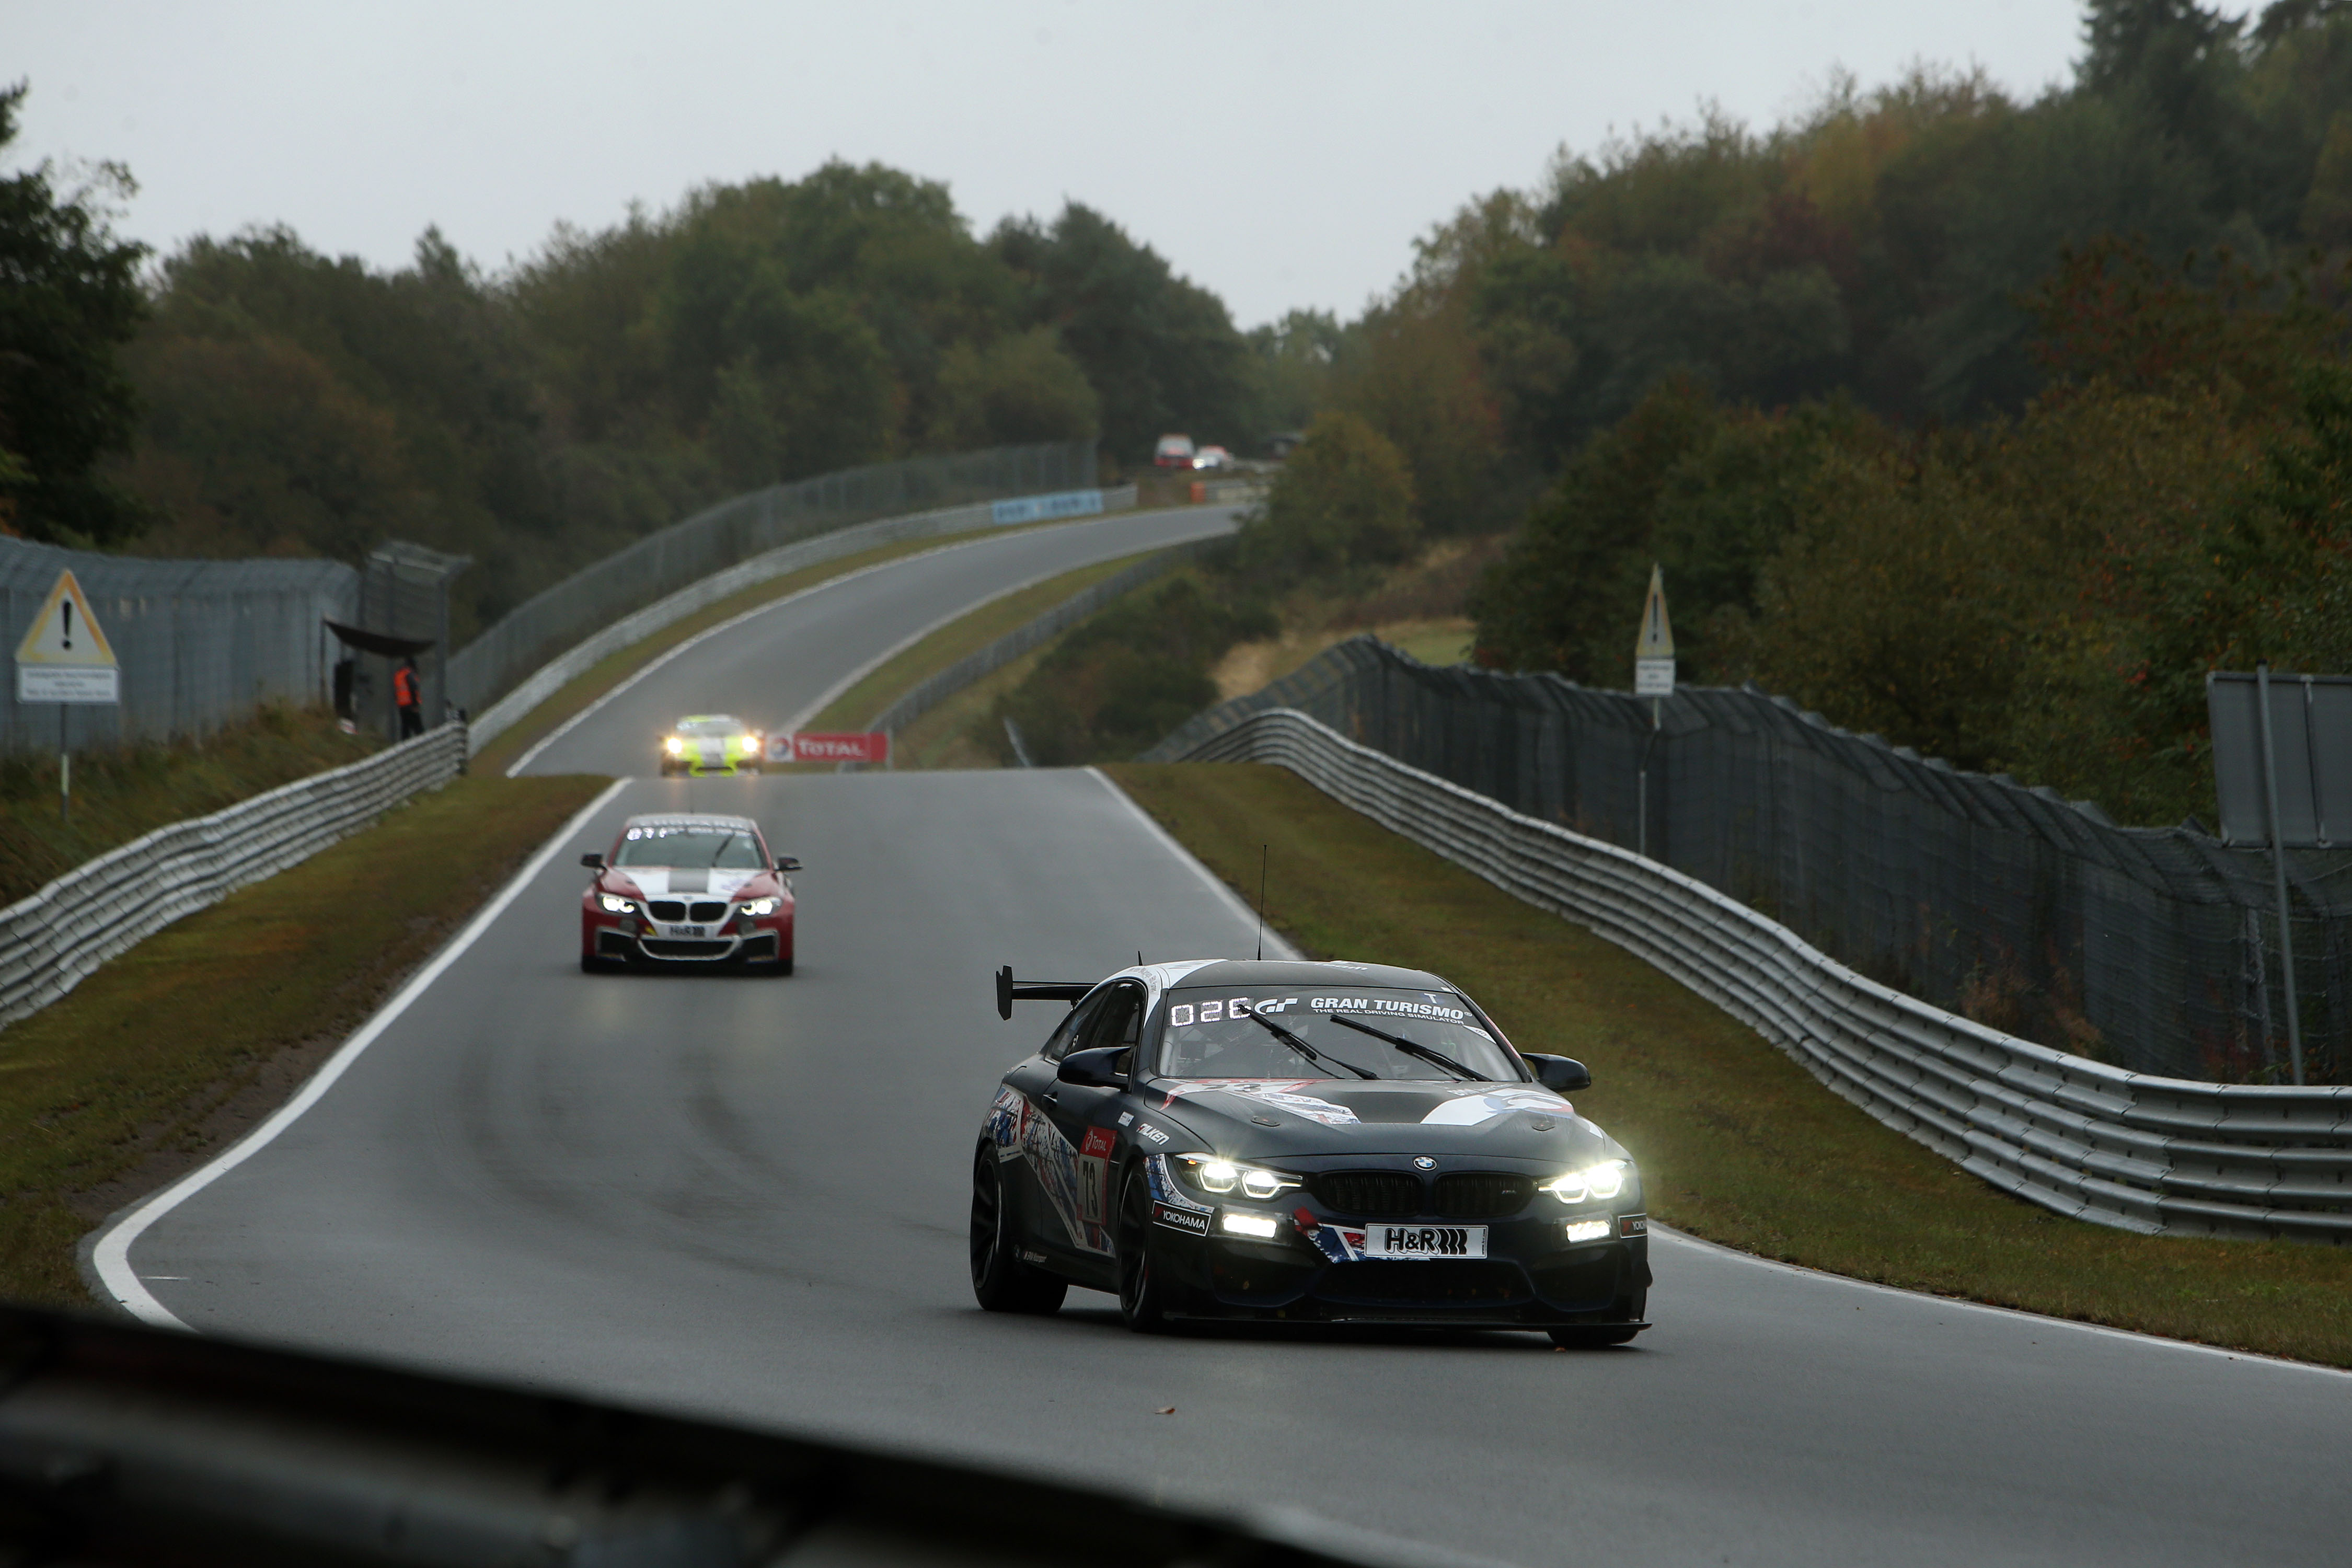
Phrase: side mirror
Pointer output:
(1563, 1074)
(788, 862)
(593, 861)
(1098, 1068)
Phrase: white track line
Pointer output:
(1233, 902)
(1922, 1297)
(110, 1256)
(855, 676)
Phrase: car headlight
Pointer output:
(761, 906)
(1605, 1180)
(1210, 1174)
(613, 906)
(674, 746)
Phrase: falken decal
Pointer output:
(1146, 1129)
(1281, 1094)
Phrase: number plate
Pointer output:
(687, 931)
(1425, 1241)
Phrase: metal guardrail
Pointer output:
(574, 662)
(937, 687)
(2131, 1150)
(52, 940)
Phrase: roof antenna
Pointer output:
(1261, 899)
(1139, 958)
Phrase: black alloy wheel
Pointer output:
(1001, 1282)
(1142, 1293)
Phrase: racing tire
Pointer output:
(1143, 1291)
(1001, 1282)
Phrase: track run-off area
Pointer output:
(746, 1197)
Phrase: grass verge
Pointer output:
(1737, 1143)
(174, 1047)
(122, 791)
(883, 685)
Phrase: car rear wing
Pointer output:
(1009, 991)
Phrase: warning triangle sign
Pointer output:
(65, 633)
(1657, 639)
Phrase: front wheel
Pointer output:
(1143, 1290)
(1001, 1282)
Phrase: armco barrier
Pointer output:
(51, 942)
(2129, 1150)
(575, 661)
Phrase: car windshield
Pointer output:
(709, 727)
(719, 848)
(1211, 1033)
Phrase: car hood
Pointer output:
(1273, 1118)
(681, 882)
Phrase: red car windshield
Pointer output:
(712, 848)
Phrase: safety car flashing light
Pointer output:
(1580, 1230)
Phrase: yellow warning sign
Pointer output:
(1654, 650)
(65, 658)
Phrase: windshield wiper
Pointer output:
(1303, 1048)
(1401, 1043)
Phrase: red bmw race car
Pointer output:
(688, 888)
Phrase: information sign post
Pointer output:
(65, 658)
(1654, 678)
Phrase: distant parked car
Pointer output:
(1174, 452)
(1211, 457)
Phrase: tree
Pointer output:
(1159, 351)
(69, 301)
(1344, 500)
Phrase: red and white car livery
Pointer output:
(688, 888)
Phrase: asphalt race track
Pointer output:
(746, 1197)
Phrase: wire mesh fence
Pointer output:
(736, 529)
(200, 643)
(2151, 949)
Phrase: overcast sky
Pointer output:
(1281, 152)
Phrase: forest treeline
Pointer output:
(1988, 425)
(249, 395)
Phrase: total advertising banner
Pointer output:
(811, 746)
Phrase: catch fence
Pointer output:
(735, 531)
(199, 643)
(2149, 949)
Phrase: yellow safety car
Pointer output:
(706, 743)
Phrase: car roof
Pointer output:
(690, 819)
(1290, 973)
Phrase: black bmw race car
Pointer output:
(1309, 1142)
